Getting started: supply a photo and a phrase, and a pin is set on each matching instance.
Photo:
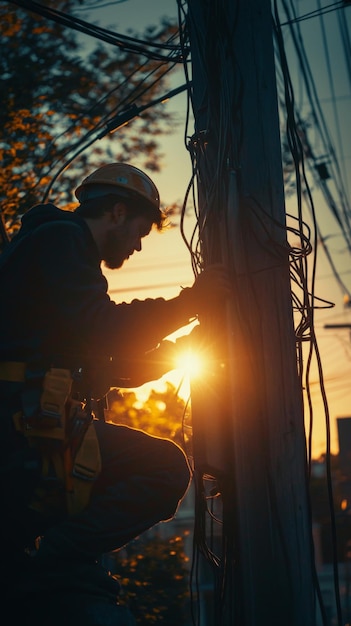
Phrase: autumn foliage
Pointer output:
(58, 88)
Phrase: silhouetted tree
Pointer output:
(56, 89)
(162, 414)
(155, 580)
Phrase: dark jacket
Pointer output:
(55, 307)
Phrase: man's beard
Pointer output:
(113, 256)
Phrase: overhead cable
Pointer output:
(298, 154)
(117, 122)
(124, 42)
(311, 14)
(321, 126)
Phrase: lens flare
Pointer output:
(191, 363)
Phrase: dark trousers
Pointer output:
(142, 481)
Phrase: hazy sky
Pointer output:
(164, 264)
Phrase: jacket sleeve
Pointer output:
(77, 302)
(135, 370)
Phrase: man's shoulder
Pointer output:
(47, 220)
(47, 215)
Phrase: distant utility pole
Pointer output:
(255, 442)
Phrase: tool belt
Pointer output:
(63, 431)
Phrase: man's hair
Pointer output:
(96, 207)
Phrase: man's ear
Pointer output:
(118, 213)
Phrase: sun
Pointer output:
(190, 363)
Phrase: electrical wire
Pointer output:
(302, 278)
(89, 7)
(89, 112)
(69, 153)
(332, 88)
(343, 221)
(345, 38)
(305, 302)
(119, 121)
(336, 6)
(307, 305)
(298, 157)
(110, 122)
(220, 558)
(320, 126)
(124, 42)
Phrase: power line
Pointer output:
(112, 125)
(145, 287)
(312, 14)
(99, 6)
(124, 42)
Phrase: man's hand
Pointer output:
(211, 288)
(213, 280)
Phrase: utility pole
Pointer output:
(249, 428)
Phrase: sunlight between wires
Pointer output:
(188, 364)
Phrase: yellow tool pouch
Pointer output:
(64, 433)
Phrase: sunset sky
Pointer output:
(164, 264)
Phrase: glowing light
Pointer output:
(143, 392)
(190, 363)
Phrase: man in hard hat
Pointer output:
(84, 486)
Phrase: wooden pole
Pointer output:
(254, 441)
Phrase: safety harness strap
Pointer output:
(84, 471)
(66, 438)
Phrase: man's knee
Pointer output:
(177, 465)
